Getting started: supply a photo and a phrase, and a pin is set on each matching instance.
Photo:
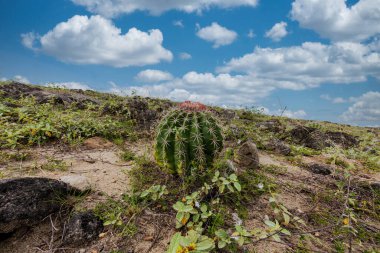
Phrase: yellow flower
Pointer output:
(183, 199)
(33, 131)
(346, 221)
(179, 250)
(192, 246)
(47, 133)
(184, 220)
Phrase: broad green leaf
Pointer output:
(205, 244)
(174, 243)
(237, 186)
(221, 244)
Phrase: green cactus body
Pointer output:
(188, 137)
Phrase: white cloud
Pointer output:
(334, 100)
(29, 39)
(96, 40)
(251, 34)
(217, 34)
(178, 23)
(299, 114)
(21, 79)
(222, 89)
(309, 65)
(184, 56)
(277, 32)
(70, 85)
(112, 8)
(365, 110)
(3, 79)
(333, 19)
(152, 75)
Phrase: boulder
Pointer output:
(26, 201)
(278, 146)
(309, 137)
(318, 168)
(248, 156)
(140, 112)
(345, 140)
(82, 228)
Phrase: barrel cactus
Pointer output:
(188, 137)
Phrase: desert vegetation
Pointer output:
(133, 174)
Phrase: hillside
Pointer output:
(309, 186)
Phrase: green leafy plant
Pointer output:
(188, 137)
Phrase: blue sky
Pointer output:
(320, 58)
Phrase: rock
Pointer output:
(319, 168)
(77, 181)
(279, 147)
(140, 112)
(82, 228)
(345, 140)
(16, 90)
(248, 156)
(273, 125)
(309, 137)
(26, 201)
(97, 143)
(314, 138)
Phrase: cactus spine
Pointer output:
(188, 137)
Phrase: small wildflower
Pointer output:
(192, 246)
(183, 199)
(346, 221)
(183, 221)
(260, 186)
(197, 205)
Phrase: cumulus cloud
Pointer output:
(152, 75)
(21, 79)
(334, 100)
(337, 21)
(112, 8)
(95, 40)
(309, 65)
(365, 110)
(299, 114)
(217, 34)
(70, 85)
(184, 56)
(29, 40)
(277, 32)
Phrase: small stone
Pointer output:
(77, 181)
(319, 168)
(248, 156)
(101, 235)
(148, 238)
(82, 227)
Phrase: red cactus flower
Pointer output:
(192, 106)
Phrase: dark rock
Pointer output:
(16, 90)
(140, 112)
(26, 201)
(273, 125)
(314, 138)
(248, 156)
(279, 147)
(319, 168)
(309, 137)
(343, 139)
(82, 227)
